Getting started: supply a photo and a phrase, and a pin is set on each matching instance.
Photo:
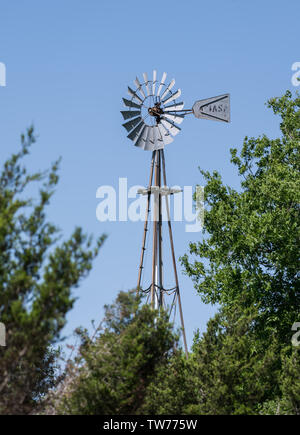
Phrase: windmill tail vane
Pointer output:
(152, 118)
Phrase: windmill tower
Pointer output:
(152, 117)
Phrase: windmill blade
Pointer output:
(168, 88)
(158, 141)
(154, 82)
(162, 82)
(149, 145)
(134, 95)
(174, 117)
(155, 134)
(129, 125)
(139, 87)
(174, 107)
(172, 97)
(129, 103)
(133, 135)
(146, 137)
(127, 114)
(146, 82)
(172, 128)
(141, 138)
(167, 138)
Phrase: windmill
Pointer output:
(152, 118)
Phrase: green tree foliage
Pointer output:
(175, 388)
(290, 383)
(235, 371)
(228, 372)
(288, 400)
(252, 246)
(112, 371)
(37, 275)
(132, 365)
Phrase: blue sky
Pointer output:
(68, 66)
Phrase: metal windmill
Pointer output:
(151, 118)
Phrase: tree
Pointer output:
(175, 388)
(228, 372)
(290, 382)
(37, 275)
(252, 246)
(113, 370)
(235, 372)
(288, 400)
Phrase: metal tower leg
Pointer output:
(160, 258)
(146, 224)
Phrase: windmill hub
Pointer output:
(156, 111)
